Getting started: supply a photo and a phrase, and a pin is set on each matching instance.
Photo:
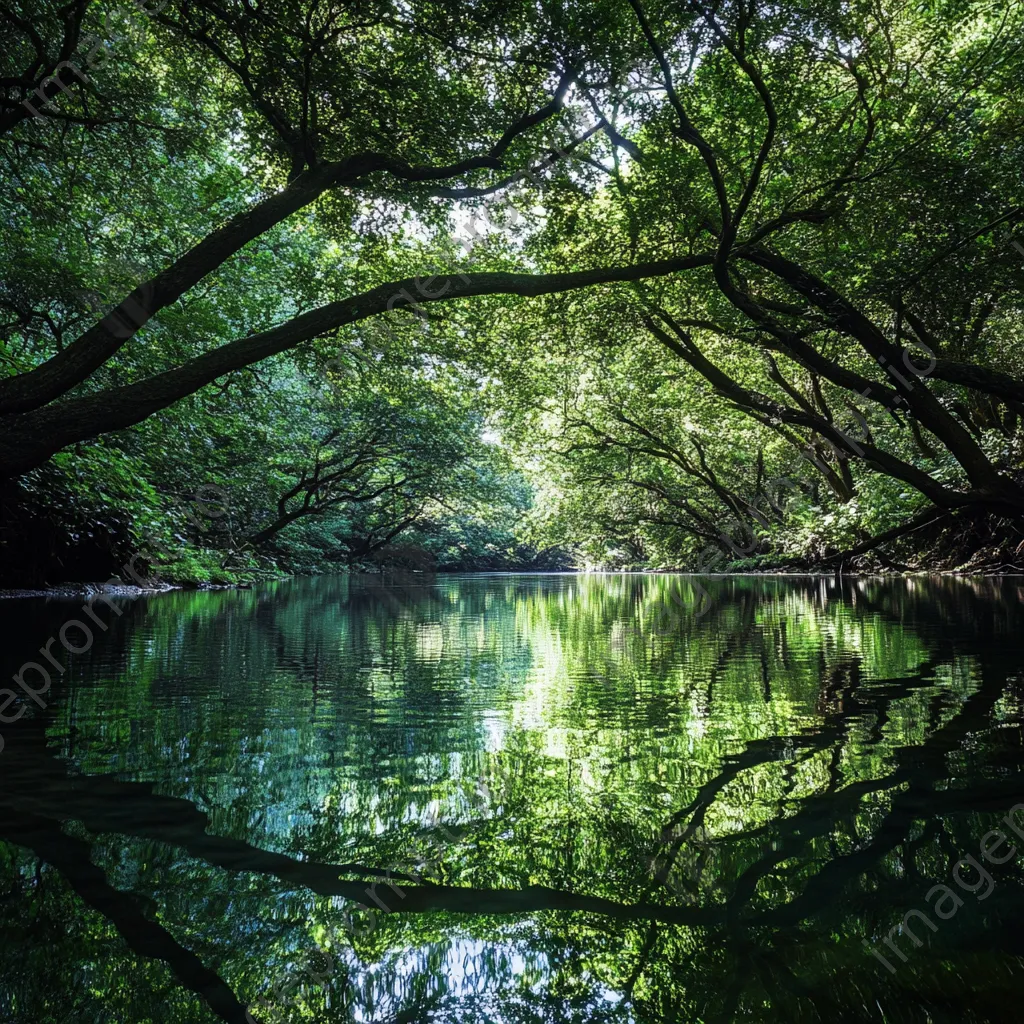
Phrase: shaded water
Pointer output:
(600, 798)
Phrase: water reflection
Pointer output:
(621, 798)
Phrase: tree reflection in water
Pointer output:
(702, 822)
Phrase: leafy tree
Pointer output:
(797, 214)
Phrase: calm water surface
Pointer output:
(598, 798)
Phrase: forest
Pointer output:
(575, 439)
(308, 286)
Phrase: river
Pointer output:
(517, 798)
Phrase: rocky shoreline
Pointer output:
(75, 591)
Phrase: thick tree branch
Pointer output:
(60, 373)
(31, 438)
(888, 464)
(913, 391)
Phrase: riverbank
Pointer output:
(73, 591)
(87, 590)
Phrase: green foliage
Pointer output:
(845, 179)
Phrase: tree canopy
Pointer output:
(643, 284)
